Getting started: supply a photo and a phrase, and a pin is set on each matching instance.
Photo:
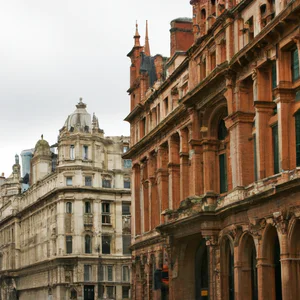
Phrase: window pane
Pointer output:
(87, 272)
(106, 183)
(87, 207)
(88, 181)
(88, 244)
(295, 64)
(106, 244)
(274, 75)
(297, 119)
(69, 244)
(110, 291)
(223, 173)
(126, 184)
(125, 209)
(69, 181)
(101, 273)
(69, 207)
(125, 291)
(85, 152)
(126, 243)
(105, 208)
(125, 275)
(109, 273)
(275, 149)
(72, 152)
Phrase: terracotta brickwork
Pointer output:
(215, 150)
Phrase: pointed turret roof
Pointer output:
(147, 46)
(136, 36)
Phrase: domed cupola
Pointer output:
(79, 120)
(41, 161)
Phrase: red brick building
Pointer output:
(215, 146)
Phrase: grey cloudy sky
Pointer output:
(53, 52)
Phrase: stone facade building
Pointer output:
(65, 227)
(215, 137)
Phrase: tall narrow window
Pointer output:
(125, 292)
(69, 207)
(105, 213)
(125, 274)
(158, 113)
(106, 240)
(125, 209)
(255, 158)
(295, 64)
(109, 273)
(87, 207)
(166, 106)
(72, 152)
(69, 246)
(275, 148)
(69, 181)
(88, 244)
(87, 272)
(126, 238)
(274, 75)
(297, 119)
(88, 180)
(223, 173)
(85, 152)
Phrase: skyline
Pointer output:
(51, 57)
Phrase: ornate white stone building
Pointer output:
(65, 227)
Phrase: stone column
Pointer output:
(184, 164)
(162, 179)
(174, 173)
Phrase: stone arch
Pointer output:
(247, 271)
(271, 267)
(227, 267)
(294, 246)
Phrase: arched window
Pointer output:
(203, 14)
(69, 207)
(73, 294)
(202, 271)
(88, 244)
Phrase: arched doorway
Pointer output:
(202, 271)
(272, 267)
(227, 269)
(295, 259)
(248, 288)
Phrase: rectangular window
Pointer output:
(158, 113)
(109, 273)
(126, 243)
(126, 184)
(69, 244)
(127, 163)
(110, 291)
(106, 183)
(101, 273)
(125, 209)
(275, 148)
(255, 158)
(105, 213)
(125, 274)
(87, 272)
(274, 75)
(213, 60)
(85, 152)
(88, 180)
(295, 65)
(125, 292)
(297, 119)
(223, 173)
(69, 181)
(166, 106)
(125, 148)
(72, 152)
(106, 239)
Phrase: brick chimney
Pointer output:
(182, 36)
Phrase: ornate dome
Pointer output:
(79, 119)
(42, 147)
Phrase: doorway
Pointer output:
(89, 293)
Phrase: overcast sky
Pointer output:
(54, 52)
